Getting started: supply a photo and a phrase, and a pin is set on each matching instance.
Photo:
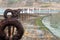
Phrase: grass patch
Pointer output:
(42, 26)
(39, 23)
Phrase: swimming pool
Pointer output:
(53, 24)
(35, 11)
(1, 11)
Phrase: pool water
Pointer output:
(53, 24)
(35, 11)
(2, 11)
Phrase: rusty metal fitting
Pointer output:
(15, 13)
(6, 12)
(11, 22)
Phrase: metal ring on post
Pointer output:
(6, 11)
(15, 23)
(16, 13)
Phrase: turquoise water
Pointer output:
(46, 11)
(2, 11)
(35, 11)
(55, 30)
